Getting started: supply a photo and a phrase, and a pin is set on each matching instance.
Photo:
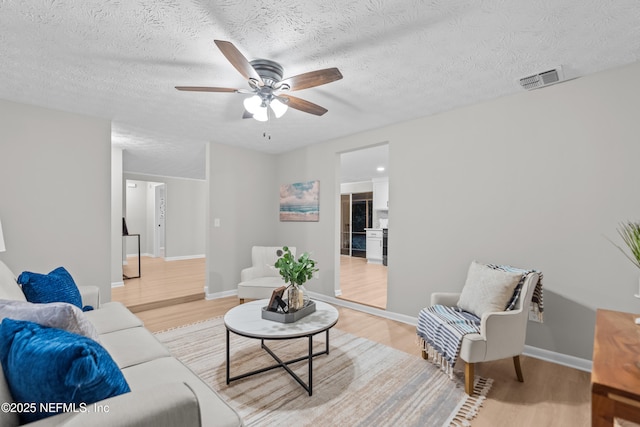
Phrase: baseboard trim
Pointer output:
(222, 294)
(558, 358)
(117, 284)
(135, 255)
(366, 309)
(185, 257)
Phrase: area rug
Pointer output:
(360, 383)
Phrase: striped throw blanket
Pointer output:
(441, 329)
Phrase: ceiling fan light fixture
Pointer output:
(261, 115)
(252, 104)
(278, 107)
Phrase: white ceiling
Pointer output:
(401, 59)
(362, 165)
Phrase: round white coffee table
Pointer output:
(246, 320)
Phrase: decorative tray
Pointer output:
(282, 317)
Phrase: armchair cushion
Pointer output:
(487, 290)
(259, 280)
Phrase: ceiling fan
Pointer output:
(268, 87)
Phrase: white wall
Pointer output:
(244, 197)
(116, 216)
(356, 187)
(536, 180)
(55, 191)
(137, 216)
(185, 222)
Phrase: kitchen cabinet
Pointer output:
(374, 245)
(381, 194)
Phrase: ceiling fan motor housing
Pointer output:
(270, 71)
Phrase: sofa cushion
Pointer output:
(59, 315)
(9, 288)
(7, 418)
(486, 289)
(132, 346)
(112, 316)
(57, 286)
(49, 365)
(213, 409)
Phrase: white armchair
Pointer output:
(259, 280)
(502, 334)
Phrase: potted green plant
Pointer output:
(630, 233)
(295, 273)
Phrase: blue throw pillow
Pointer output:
(48, 365)
(57, 286)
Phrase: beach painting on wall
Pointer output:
(300, 201)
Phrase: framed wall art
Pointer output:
(300, 201)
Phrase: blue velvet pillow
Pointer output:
(57, 286)
(49, 365)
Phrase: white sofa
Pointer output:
(259, 280)
(164, 392)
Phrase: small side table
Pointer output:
(124, 276)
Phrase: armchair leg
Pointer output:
(425, 356)
(516, 364)
(468, 378)
(241, 300)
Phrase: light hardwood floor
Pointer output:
(362, 282)
(162, 283)
(552, 395)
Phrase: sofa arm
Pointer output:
(167, 405)
(448, 299)
(90, 296)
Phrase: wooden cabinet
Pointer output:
(374, 246)
(615, 374)
(381, 194)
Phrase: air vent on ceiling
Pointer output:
(542, 79)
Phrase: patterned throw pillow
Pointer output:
(57, 286)
(59, 315)
(48, 365)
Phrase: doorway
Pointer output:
(145, 211)
(363, 275)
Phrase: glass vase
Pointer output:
(296, 297)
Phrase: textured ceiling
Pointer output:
(401, 59)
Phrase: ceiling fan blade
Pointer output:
(206, 89)
(302, 105)
(238, 60)
(312, 79)
(247, 115)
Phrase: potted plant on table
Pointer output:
(295, 273)
(630, 233)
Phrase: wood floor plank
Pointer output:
(362, 282)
